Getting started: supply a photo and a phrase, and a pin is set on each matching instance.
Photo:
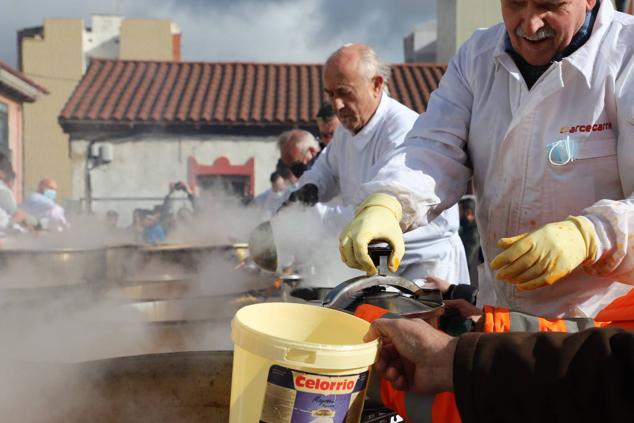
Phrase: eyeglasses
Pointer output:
(561, 152)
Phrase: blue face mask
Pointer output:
(50, 194)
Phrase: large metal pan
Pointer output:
(22, 268)
(180, 310)
(183, 387)
(29, 277)
(190, 255)
(159, 287)
(178, 387)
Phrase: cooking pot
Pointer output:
(22, 268)
(159, 287)
(174, 387)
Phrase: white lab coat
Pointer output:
(351, 160)
(484, 112)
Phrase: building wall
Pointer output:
(15, 143)
(55, 61)
(143, 167)
(458, 19)
(143, 39)
(420, 45)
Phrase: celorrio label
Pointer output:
(297, 397)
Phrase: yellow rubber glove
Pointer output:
(376, 219)
(544, 256)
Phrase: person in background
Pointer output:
(165, 211)
(12, 216)
(136, 227)
(271, 200)
(298, 150)
(41, 205)
(372, 125)
(552, 158)
(327, 122)
(184, 216)
(153, 232)
(470, 237)
(112, 220)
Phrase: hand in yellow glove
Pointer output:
(542, 257)
(376, 219)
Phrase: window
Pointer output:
(237, 185)
(4, 128)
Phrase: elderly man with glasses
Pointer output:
(539, 111)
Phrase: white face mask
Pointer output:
(279, 193)
(50, 194)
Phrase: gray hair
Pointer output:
(303, 139)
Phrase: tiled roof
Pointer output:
(205, 94)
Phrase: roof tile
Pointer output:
(209, 93)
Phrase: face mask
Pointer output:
(298, 169)
(279, 193)
(50, 194)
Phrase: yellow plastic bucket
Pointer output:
(298, 363)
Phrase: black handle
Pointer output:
(376, 250)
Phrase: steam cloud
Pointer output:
(52, 328)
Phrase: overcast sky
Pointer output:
(244, 30)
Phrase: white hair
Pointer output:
(303, 139)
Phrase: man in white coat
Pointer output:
(540, 112)
(372, 126)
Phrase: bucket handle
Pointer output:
(300, 357)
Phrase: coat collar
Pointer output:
(583, 60)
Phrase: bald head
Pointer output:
(354, 78)
(46, 183)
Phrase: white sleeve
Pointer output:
(335, 218)
(428, 172)
(614, 219)
(323, 174)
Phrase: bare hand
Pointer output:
(414, 356)
(465, 309)
(432, 282)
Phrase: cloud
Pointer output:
(247, 30)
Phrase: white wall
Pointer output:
(144, 166)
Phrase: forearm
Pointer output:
(614, 224)
(428, 173)
(323, 177)
(545, 376)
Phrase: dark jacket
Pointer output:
(546, 377)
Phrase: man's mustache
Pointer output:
(542, 33)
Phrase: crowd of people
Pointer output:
(38, 211)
